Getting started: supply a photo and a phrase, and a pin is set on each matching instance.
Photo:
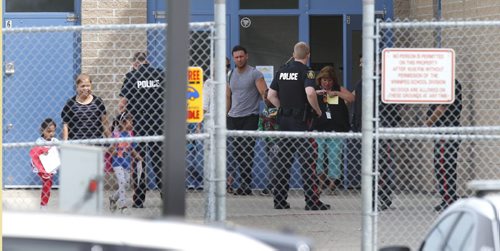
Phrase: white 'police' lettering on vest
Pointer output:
(148, 83)
(288, 76)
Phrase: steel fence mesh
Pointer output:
(431, 168)
(123, 62)
(42, 65)
(290, 161)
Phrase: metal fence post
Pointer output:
(209, 147)
(377, 135)
(174, 157)
(367, 125)
(220, 107)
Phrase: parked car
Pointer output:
(471, 224)
(46, 231)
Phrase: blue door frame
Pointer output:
(203, 10)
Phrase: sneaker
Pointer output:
(43, 208)
(319, 206)
(265, 191)
(112, 204)
(284, 205)
(243, 192)
(441, 207)
(384, 205)
(123, 210)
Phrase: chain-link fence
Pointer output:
(424, 154)
(421, 166)
(437, 149)
(120, 95)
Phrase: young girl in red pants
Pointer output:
(47, 130)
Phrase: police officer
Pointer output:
(142, 96)
(446, 150)
(389, 116)
(292, 91)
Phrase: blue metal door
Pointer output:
(352, 51)
(39, 73)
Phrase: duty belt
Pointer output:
(297, 113)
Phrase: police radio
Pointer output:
(286, 63)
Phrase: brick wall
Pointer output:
(451, 9)
(106, 54)
(477, 53)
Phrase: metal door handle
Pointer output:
(9, 68)
(9, 127)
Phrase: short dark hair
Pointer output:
(140, 56)
(239, 48)
(119, 119)
(125, 116)
(46, 123)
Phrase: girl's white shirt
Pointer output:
(41, 140)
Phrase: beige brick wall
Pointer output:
(477, 54)
(401, 9)
(451, 9)
(106, 54)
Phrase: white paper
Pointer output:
(51, 161)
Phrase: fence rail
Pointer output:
(48, 60)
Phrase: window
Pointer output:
(262, 35)
(436, 238)
(462, 238)
(39, 6)
(269, 4)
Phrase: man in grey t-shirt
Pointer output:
(245, 89)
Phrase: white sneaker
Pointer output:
(124, 210)
(112, 204)
(43, 208)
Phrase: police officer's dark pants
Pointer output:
(287, 149)
(155, 152)
(445, 168)
(243, 147)
(272, 150)
(386, 173)
(352, 175)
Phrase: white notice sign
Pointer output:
(418, 76)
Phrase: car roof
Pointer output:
(488, 206)
(162, 233)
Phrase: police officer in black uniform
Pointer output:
(389, 116)
(446, 150)
(292, 91)
(142, 96)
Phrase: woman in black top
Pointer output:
(332, 99)
(84, 115)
